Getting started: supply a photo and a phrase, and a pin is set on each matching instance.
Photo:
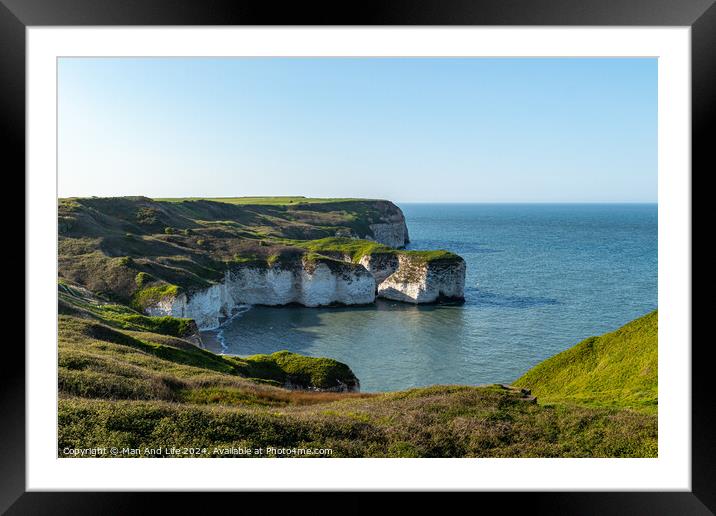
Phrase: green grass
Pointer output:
(150, 295)
(111, 334)
(431, 256)
(432, 422)
(74, 302)
(284, 366)
(618, 369)
(268, 200)
(354, 248)
(357, 249)
(127, 388)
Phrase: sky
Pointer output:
(404, 129)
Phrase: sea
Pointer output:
(540, 278)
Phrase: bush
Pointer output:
(149, 296)
(126, 261)
(146, 216)
(298, 370)
(143, 278)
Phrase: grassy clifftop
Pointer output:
(618, 369)
(281, 200)
(355, 249)
(134, 249)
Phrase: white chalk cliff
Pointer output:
(399, 277)
(393, 233)
(416, 281)
(308, 284)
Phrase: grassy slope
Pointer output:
(86, 347)
(428, 422)
(128, 388)
(618, 369)
(96, 341)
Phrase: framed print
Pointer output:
(434, 248)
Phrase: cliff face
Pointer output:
(391, 231)
(380, 265)
(308, 283)
(418, 281)
(379, 221)
(390, 234)
(402, 277)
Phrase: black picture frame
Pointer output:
(700, 15)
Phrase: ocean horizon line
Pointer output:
(397, 201)
(528, 202)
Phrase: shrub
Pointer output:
(298, 370)
(143, 278)
(126, 261)
(146, 216)
(148, 296)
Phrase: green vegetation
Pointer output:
(150, 295)
(136, 251)
(618, 369)
(89, 328)
(428, 422)
(431, 256)
(285, 367)
(131, 380)
(271, 201)
(350, 247)
(356, 249)
(127, 386)
(84, 342)
(73, 301)
(142, 279)
(96, 360)
(126, 261)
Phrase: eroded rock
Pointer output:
(418, 281)
(308, 283)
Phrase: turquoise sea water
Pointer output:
(540, 278)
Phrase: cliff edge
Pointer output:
(201, 259)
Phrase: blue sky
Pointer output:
(405, 129)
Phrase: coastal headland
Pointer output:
(139, 278)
